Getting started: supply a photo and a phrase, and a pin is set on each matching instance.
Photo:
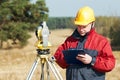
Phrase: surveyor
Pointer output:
(98, 58)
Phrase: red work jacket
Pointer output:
(105, 60)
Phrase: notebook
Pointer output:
(70, 55)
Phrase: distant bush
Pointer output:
(60, 22)
(115, 33)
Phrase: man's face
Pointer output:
(84, 29)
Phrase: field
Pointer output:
(16, 63)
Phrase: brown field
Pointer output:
(16, 63)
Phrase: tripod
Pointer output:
(43, 57)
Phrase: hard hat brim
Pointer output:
(81, 23)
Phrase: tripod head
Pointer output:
(42, 34)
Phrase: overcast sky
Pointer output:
(66, 8)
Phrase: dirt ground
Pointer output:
(16, 63)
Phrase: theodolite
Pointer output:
(43, 50)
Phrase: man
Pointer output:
(98, 58)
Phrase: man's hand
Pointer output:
(86, 59)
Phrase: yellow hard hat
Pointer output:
(84, 16)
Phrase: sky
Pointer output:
(69, 8)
